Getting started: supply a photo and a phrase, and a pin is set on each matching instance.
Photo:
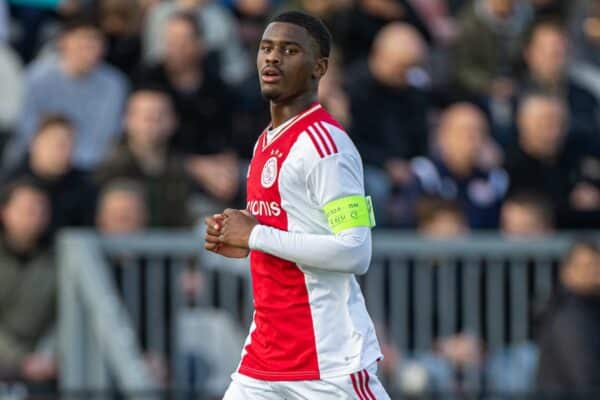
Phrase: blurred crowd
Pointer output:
(132, 114)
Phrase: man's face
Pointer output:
(150, 119)
(26, 215)
(542, 126)
(121, 212)
(462, 136)
(581, 274)
(51, 150)
(288, 62)
(518, 220)
(547, 54)
(82, 49)
(182, 45)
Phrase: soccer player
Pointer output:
(307, 230)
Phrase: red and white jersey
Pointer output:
(309, 323)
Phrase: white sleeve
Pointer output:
(349, 251)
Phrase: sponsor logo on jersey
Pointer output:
(269, 173)
(264, 208)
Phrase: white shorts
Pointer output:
(362, 385)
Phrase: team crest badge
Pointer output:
(269, 173)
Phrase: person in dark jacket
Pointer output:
(389, 113)
(143, 156)
(569, 363)
(543, 162)
(456, 169)
(27, 284)
(49, 164)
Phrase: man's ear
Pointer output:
(320, 68)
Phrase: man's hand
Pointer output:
(39, 368)
(212, 242)
(237, 227)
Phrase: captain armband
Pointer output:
(350, 212)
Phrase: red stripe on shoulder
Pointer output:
(322, 139)
(328, 135)
(314, 141)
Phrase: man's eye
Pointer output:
(291, 51)
(265, 49)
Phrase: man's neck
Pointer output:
(281, 112)
(20, 245)
(185, 78)
(152, 159)
(71, 71)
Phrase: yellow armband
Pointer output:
(350, 212)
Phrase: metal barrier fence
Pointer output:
(122, 298)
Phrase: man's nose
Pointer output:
(274, 57)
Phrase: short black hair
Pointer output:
(80, 21)
(314, 26)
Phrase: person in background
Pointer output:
(440, 218)
(541, 161)
(143, 155)
(457, 169)
(202, 102)
(526, 215)
(79, 85)
(569, 363)
(389, 113)
(356, 24)
(120, 21)
(218, 30)
(49, 164)
(487, 47)
(546, 56)
(27, 285)
(122, 208)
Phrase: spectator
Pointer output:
(569, 347)
(11, 96)
(455, 170)
(202, 102)
(150, 122)
(72, 195)
(355, 28)
(526, 215)
(546, 58)
(218, 30)
(440, 218)
(487, 45)
(27, 284)
(540, 161)
(332, 94)
(389, 115)
(122, 208)
(120, 21)
(80, 86)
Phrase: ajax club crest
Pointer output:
(269, 173)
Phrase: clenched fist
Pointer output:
(212, 242)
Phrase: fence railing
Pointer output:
(124, 298)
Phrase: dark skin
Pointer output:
(289, 66)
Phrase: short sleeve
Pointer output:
(334, 177)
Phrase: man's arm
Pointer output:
(334, 184)
(348, 251)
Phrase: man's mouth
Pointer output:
(270, 75)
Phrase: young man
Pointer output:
(307, 230)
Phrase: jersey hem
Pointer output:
(279, 376)
(350, 370)
(306, 375)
